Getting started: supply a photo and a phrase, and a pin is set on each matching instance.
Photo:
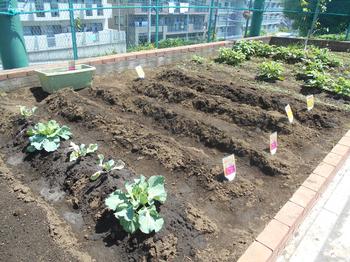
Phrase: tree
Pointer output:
(301, 12)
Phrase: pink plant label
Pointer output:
(229, 164)
(273, 143)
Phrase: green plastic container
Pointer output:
(54, 79)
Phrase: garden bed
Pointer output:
(179, 122)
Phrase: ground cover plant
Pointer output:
(47, 136)
(81, 150)
(107, 166)
(270, 71)
(27, 112)
(178, 123)
(136, 208)
(230, 57)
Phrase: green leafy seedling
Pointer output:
(230, 57)
(81, 151)
(136, 208)
(107, 166)
(270, 71)
(47, 136)
(26, 111)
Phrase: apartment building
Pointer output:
(48, 34)
(274, 18)
(176, 20)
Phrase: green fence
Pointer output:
(64, 30)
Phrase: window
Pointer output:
(31, 30)
(54, 5)
(39, 5)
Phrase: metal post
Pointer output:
(247, 19)
(210, 20)
(347, 37)
(12, 46)
(188, 23)
(72, 30)
(257, 18)
(149, 26)
(314, 20)
(157, 23)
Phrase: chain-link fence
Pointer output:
(63, 30)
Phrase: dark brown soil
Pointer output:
(179, 122)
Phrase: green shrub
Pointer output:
(323, 55)
(270, 71)
(342, 86)
(245, 47)
(145, 46)
(264, 50)
(198, 59)
(308, 69)
(136, 208)
(319, 80)
(230, 57)
(173, 42)
(47, 136)
(291, 54)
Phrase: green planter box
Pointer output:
(54, 79)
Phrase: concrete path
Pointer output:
(325, 233)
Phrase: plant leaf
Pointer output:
(129, 226)
(91, 148)
(73, 156)
(115, 199)
(156, 190)
(150, 220)
(119, 164)
(50, 145)
(95, 175)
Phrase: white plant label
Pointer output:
(310, 102)
(273, 143)
(140, 72)
(229, 164)
(289, 113)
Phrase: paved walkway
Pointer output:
(325, 233)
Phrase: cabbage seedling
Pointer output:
(47, 136)
(81, 151)
(107, 166)
(26, 111)
(136, 208)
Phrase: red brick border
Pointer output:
(27, 71)
(271, 241)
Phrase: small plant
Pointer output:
(107, 166)
(270, 71)
(27, 112)
(342, 86)
(47, 136)
(264, 50)
(81, 151)
(230, 57)
(198, 59)
(319, 80)
(324, 55)
(291, 54)
(136, 208)
(310, 67)
(245, 47)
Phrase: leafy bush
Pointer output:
(308, 69)
(107, 166)
(145, 46)
(264, 50)
(136, 208)
(173, 42)
(198, 59)
(319, 80)
(245, 47)
(27, 112)
(230, 57)
(342, 86)
(47, 136)
(270, 71)
(323, 55)
(81, 151)
(291, 54)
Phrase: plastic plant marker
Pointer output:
(289, 113)
(229, 164)
(273, 143)
(71, 65)
(140, 72)
(310, 101)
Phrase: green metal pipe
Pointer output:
(257, 18)
(347, 37)
(72, 30)
(157, 24)
(12, 47)
(210, 20)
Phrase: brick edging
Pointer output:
(271, 241)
